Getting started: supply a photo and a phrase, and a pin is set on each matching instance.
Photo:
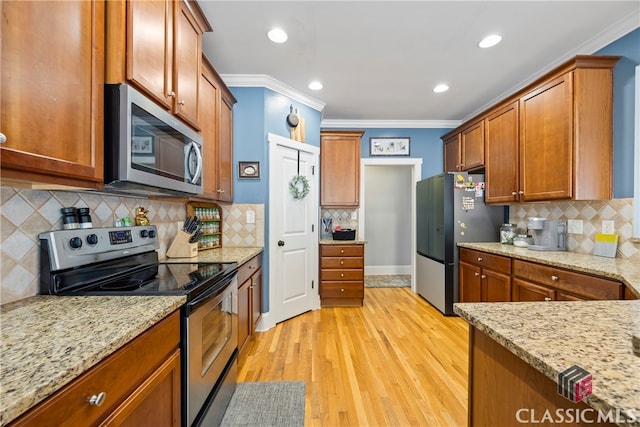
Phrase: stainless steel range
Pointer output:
(124, 261)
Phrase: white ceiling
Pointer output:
(379, 60)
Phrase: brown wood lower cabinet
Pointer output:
(139, 385)
(484, 277)
(342, 274)
(504, 390)
(249, 299)
(537, 282)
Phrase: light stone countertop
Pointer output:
(553, 336)
(239, 254)
(626, 270)
(47, 341)
(342, 242)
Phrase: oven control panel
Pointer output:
(72, 248)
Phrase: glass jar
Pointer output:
(507, 233)
(522, 240)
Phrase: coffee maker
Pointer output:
(548, 235)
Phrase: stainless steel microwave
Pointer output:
(148, 151)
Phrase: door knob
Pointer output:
(280, 242)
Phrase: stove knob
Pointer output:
(75, 242)
(152, 233)
(144, 233)
(92, 239)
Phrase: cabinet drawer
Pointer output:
(355, 274)
(486, 260)
(117, 376)
(341, 250)
(247, 269)
(341, 290)
(340, 262)
(575, 283)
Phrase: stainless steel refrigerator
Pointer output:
(450, 209)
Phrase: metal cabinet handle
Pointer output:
(219, 190)
(181, 102)
(342, 290)
(520, 192)
(3, 138)
(484, 276)
(341, 274)
(476, 274)
(514, 193)
(97, 400)
(341, 262)
(479, 258)
(341, 251)
(554, 278)
(547, 298)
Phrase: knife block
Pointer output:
(181, 248)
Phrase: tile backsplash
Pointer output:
(27, 213)
(592, 213)
(341, 217)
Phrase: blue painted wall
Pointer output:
(623, 110)
(258, 112)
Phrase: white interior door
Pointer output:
(293, 230)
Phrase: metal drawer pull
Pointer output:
(98, 400)
(342, 290)
(341, 274)
(476, 274)
(483, 276)
(554, 278)
(479, 258)
(341, 262)
(341, 251)
(547, 298)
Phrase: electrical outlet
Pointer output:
(574, 226)
(354, 215)
(180, 225)
(251, 217)
(607, 227)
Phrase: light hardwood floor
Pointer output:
(396, 361)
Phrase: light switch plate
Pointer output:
(251, 217)
(607, 227)
(574, 226)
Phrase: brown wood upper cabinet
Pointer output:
(52, 93)
(464, 150)
(340, 168)
(216, 115)
(157, 46)
(551, 140)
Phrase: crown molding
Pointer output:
(263, 80)
(589, 47)
(391, 124)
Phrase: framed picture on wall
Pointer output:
(248, 169)
(389, 146)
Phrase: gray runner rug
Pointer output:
(279, 403)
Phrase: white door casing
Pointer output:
(293, 265)
(416, 165)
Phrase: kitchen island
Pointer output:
(517, 351)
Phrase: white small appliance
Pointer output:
(548, 235)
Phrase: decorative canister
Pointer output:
(507, 233)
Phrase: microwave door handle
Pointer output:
(196, 174)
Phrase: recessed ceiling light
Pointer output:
(315, 85)
(277, 35)
(490, 40)
(441, 88)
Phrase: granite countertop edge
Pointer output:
(341, 242)
(605, 400)
(239, 254)
(623, 269)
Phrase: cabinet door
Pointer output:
(546, 141)
(256, 299)
(527, 291)
(244, 312)
(150, 48)
(52, 92)
(470, 283)
(496, 287)
(225, 152)
(188, 54)
(209, 96)
(452, 158)
(156, 402)
(472, 139)
(340, 169)
(501, 157)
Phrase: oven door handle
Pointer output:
(213, 292)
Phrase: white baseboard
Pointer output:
(387, 269)
(264, 324)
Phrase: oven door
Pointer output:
(211, 341)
